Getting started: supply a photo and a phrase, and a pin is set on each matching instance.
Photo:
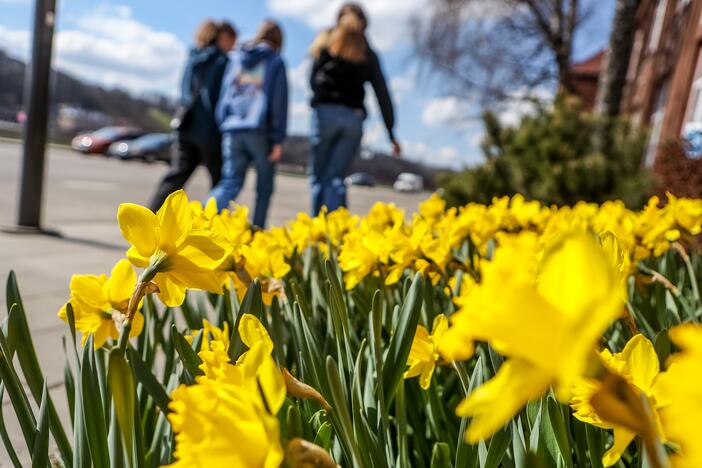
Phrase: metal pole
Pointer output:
(37, 107)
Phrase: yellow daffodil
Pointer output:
(423, 354)
(547, 329)
(258, 358)
(175, 255)
(638, 364)
(223, 423)
(99, 303)
(681, 389)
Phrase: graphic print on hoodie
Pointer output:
(254, 93)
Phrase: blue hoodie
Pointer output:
(254, 93)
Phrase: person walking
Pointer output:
(197, 138)
(343, 63)
(252, 113)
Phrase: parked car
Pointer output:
(408, 182)
(362, 179)
(99, 140)
(150, 147)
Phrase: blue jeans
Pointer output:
(335, 141)
(239, 150)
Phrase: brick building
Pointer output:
(664, 80)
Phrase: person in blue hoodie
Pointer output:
(197, 138)
(252, 114)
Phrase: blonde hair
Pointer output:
(206, 33)
(347, 40)
(270, 33)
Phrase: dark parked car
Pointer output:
(361, 178)
(150, 147)
(99, 140)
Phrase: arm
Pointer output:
(279, 104)
(221, 101)
(382, 94)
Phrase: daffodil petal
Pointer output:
(174, 219)
(496, 401)
(138, 226)
(89, 290)
(122, 282)
(252, 332)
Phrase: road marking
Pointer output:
(95, 185)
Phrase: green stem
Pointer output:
(690, 271)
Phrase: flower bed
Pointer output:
(540, 336)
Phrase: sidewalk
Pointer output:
(81, 197)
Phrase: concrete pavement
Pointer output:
(81, 196)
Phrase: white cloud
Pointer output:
(522, 103)
(109, 47)
(15, 42)
(443, 156)
(388, 19)
(445, 111)
(402, 85)
(299, 115)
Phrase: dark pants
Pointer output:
(240, 149)
(186, 155)
(336, 140)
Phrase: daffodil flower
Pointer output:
(638, 364)
(222, 423)
(680, 388)
(100, 303)
(176, 256)
(423, 353)
(548, 329)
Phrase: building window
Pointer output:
(656, 122)
(657, 28)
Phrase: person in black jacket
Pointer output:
(197, 137)
(343, 63)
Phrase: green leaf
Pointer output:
(148, 380)
(324, 435)
(29, 363)
(18, 398)
(93, 414)
(340, 413)
(294, 422)
(251, 304)
(441, 456)
(40, 451)
(121, 381)
(6, 442)
(401, 341)
(595, 445)
(190, 360)
(559, 431)
(498, 447)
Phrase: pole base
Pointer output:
(29, 230)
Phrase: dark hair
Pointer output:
(355, 9)
(270, 33)
(226, 27)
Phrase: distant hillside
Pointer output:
(78, 106)
(117, 106)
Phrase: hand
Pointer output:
(396, 149)
(276, 153)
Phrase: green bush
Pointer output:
(552, 157)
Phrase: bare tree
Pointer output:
(493, 50)
(616, 60)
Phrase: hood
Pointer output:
(253, 54)
(202, 55)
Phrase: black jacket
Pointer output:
(338, 81)
(202, 80)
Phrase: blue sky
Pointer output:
(141, 45)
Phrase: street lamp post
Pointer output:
(37, 107)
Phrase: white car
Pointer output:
(408, 182)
